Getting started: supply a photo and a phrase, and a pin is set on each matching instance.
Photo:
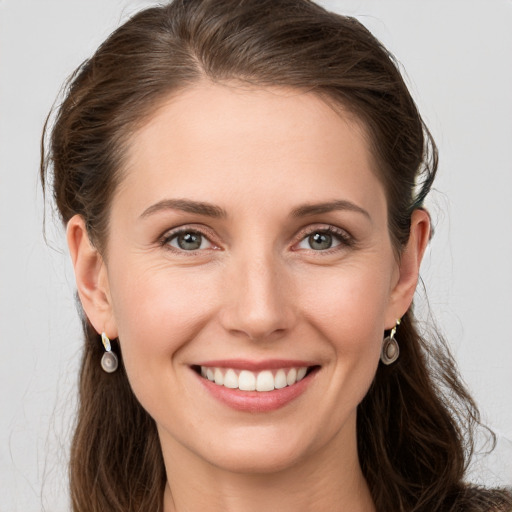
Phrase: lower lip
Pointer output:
(257, 401)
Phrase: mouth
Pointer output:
(262, 381)
(255, 387)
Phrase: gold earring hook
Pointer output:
(393, 331)
(106, 342)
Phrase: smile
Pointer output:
(256, 387)
(246, 380)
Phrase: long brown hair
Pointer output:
(415, 424)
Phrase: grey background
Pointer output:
(457, 55)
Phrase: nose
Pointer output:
(259, 299)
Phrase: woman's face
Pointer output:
(248, 243)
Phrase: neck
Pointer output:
(330, 479)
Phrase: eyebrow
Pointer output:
(210, 210)
(185, 205)
(319, 208)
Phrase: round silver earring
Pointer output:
(109, 361)
(390, 349)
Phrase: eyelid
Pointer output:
(169, 234)
(345, 238)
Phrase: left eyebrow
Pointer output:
(330, 206)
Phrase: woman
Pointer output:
(242, 185)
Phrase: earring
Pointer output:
(109, 361)
(390, 349)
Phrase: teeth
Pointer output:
(280, 379)
(265, 381)
(246, 380)
(219, 378)
(231, 379)
(291, 378)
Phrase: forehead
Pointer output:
(217, 142)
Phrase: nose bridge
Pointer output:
(258, 296)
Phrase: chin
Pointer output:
(257, 461)
(259, 450)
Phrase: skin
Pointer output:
(255, 290)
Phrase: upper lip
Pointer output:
(267, 364)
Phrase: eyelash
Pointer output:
(345, 239)
(168, 236)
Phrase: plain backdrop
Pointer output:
(457, 59)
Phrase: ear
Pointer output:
(409, 267)
(91, 278)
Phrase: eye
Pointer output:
(319, 241)
(188, 241)
(324, 239)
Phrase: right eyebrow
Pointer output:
(185, 205)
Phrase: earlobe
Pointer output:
(91, 277)
(409, 266)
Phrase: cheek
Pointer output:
(350, 313)
(157, 311)
(349, 307)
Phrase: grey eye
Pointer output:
(189, 241)
(320, 241)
